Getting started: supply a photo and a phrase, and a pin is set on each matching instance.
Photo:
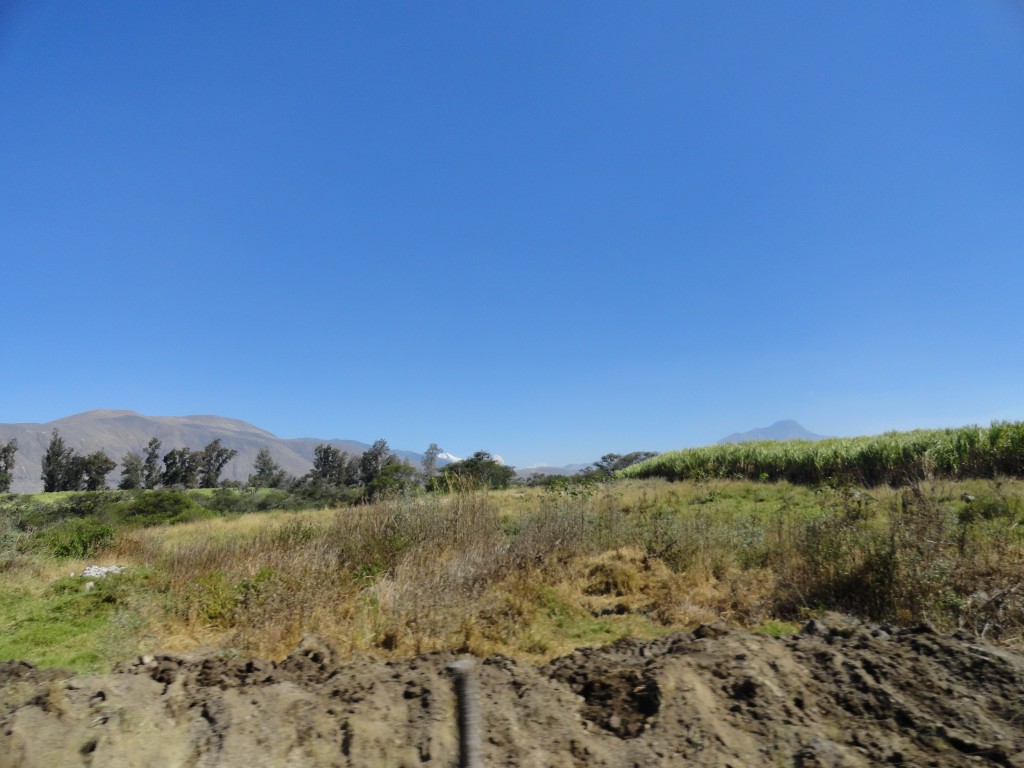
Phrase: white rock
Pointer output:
(100, 571)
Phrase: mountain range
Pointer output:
(780, 430)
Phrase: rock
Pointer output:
(100, 571)
(815, 627)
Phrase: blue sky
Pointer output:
(547, 230)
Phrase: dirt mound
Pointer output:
(840, 693)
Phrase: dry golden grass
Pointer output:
(531, 573)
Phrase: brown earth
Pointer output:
(841, 693)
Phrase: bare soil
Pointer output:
(840, 693)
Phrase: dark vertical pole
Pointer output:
(467, 693)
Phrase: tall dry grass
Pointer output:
(535, 573)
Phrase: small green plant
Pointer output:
(774, 628)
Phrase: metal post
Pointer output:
(467, 693)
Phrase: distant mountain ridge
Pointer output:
(780, 430)
(117, 432)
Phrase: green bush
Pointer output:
(76, 538)
(156, 507)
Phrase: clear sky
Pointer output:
(546, 230)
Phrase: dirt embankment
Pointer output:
(840, 693)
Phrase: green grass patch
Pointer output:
(64, 625)
(559, 623)
(777, 628)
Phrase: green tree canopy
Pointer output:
(7, 451)
(211, 461)
(481, 468)
(181, 467)
(94, 470)
(60, 471)
(268, 473)
(611, 463)
(330, 467)
(151, 471)
(372, 462)
(396, 478)
(132, 468)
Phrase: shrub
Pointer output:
(77, 538)
(155, 507)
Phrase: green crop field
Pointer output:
(895, 458)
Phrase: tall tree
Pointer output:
(429, 462)
(211, 463)
(396, 478)
(7, 451)
(268, 473)
(95, 467)
(373, 460)
(58, 467)
(181, 467)
(131, 471)
(351, 474)
(611, 463)
(151, 472)
(329, 466)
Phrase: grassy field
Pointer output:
(526, 572)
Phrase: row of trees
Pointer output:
(378, 470)
(65, 470)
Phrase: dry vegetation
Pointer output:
(534, 573)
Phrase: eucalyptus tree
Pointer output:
(268, 473)
(151, 471)
(181, 467)
(7, 451)
(59, 470)
(94, 470)
(372, 462)
(131, 471)
(429, 462)
(329, 466)
(212, 460)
